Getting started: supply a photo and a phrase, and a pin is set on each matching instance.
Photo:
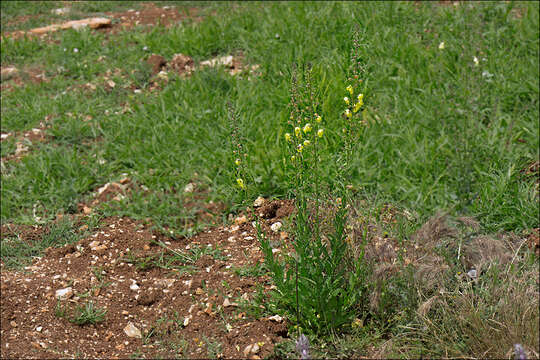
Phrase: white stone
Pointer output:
(132, 331)
(258, 201)
(63, 294)
(276, 226)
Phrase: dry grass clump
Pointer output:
(457, 315)
(483, 319)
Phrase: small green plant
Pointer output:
(88, 314)
(317, 282)
(60, 309)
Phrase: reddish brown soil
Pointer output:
(150, 14)
(27, 139)
(33, 75)
(123, 252)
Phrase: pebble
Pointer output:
(252, 348)
(275, 318)
(240, 220)
(276, 226)
(258, 201)
(63, 294)
(132, 331)
(189, 188)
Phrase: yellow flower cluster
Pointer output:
(356, 106)
(304, 135)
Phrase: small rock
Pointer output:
(109, 336)
(199, 291)
(252, 348)
(226, 61)
(87, 210)
(8, 72)
(61, 11)
(472, 274)
(275, 251)
(39, 328)
(276, 318)
(249, 238)
(111, 83)
(125, 312)
(186, 320)
(13, 323)
(146, 247)
(134, 286)
(240, 220)
(64, 294)
(258, 201)
(189, 188)
(276, 226)
(132, 331)
(227, 303)
(163, 75)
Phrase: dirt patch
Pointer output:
(26, 140)
(185, 296)
(11, 76)
(150, 15)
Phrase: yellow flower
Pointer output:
(297, 131)
(288, 137)
(441, 45)
(320, 133)
(348, 113)
(318, 119)
(361, 97)
(237, 162)
(350, 89)
(307, 128)
(300, 148)
(293, 158)
(240, 183)
(346, 99)
(357, 106)
(307, 142)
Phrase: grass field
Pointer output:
(452, 108)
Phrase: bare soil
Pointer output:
(103, 267)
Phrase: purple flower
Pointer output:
(302, 346)
(520, 352)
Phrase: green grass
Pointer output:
(442, 137)
(88, 314)
(17, 252)
(443, 134)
